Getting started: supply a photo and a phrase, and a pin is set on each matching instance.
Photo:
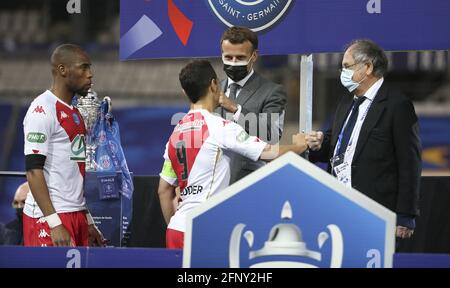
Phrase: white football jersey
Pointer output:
(56, 130)
(199, 153)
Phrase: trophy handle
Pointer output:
(108, 100)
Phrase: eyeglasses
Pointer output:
(348, 67)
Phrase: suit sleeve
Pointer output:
(270, 120)
(408, 155)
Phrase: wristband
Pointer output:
(53, 220)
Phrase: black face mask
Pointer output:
(236, 73)
(19, 214)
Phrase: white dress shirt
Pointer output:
(241, 84)
(362, 113)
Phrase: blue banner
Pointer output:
(182, 28)
(83, 257)
(79, 257)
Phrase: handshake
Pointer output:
(300, 143)
(312, 140)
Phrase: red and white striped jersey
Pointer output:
(56, 130)
(199, 153)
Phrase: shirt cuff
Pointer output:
(237, 113)
(406, 221)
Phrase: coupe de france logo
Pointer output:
(285, 246)
(258, 15)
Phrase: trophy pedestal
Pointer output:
(110, 209)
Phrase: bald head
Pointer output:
(71, 69)
(21, 195)
(67, 55)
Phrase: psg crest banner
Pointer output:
(188, 28)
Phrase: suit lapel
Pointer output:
(223, 85)
(249, 89)
(375, 111)
(341, 115)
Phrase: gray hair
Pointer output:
(367, 51)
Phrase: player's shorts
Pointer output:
(174, 239)
(36, 231)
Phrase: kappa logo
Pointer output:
(41, 220)
(39, 109)
(63, 115)
(43, 234)
(258, 15)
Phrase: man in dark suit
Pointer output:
(12, 232)
(373, 144)
(255, 103)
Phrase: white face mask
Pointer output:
(347, 80)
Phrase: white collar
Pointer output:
(373, 90)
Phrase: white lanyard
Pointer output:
(341, 163)
(350, 147)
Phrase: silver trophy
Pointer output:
(89, 107)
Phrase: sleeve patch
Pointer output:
(36, 137)
(242, 137)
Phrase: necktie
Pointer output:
(233, 91)
(350, 125)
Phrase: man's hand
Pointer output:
(314, 140)
(95, 237)
(227, 104)
(61, 237)
(403, 232)
(299, 140)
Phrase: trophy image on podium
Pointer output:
(89, 107)
(286, 239)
